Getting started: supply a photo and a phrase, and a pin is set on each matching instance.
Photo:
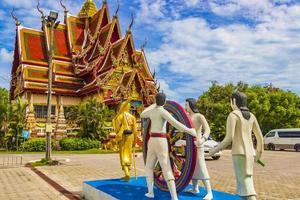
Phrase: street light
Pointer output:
(52, 24)
(52, 16)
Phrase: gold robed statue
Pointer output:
(125, 127)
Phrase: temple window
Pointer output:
(41, 111)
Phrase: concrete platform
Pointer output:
(112, 189)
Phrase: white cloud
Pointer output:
(5, 63)
(151, 10)
(20, 4)
(192, 3)
(253, 8)
(267, 53)
(5, 56)
(165, 87)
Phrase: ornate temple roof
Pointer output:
(89, 50)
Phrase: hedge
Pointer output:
(73, 144)
(35, 145)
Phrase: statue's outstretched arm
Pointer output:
(230, 128)
(167, 116)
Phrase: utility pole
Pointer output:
(51, 24)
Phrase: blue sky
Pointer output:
(193, 42)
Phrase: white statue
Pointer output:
(200, 124)
(158, 144)
(239, 128)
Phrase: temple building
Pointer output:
(91, 59)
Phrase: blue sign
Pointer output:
(25, 134)
(136, 103)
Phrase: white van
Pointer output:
(283, 139)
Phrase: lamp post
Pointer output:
(51, 24)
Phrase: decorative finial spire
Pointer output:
(116, 13)
(144, 45)
(104, 1)
(154, 74)
(64, 7)
(18, 23)
(131, 23)
(158, 88)
(40, 11)
(142, 49)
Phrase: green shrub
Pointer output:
(73, 144)
(35, 145)
(45, 162)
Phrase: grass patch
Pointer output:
(44, 162)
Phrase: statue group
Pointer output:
(240, 125)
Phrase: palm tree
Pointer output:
(17, 121)
(91, 116)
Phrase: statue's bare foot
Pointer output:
(193, 191)
(209, 196)
(149, 195)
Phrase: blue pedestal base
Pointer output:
(112, 189)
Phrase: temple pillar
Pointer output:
(29, 117)
(61, 126)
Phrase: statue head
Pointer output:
(191, 105)
(125, 106)
(160, 99)
(239, 102)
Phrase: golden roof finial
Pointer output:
(88, 9)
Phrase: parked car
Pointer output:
(209, 144)
(283, 139)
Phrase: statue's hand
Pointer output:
(192, 132)
(199, 142)
(258, 156)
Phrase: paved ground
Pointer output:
(20, 183)
(279, 180)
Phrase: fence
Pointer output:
(10, 161)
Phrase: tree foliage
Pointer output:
(4, 114)
(274, 108)
(17, 121)
(12, 120)
(90, 116)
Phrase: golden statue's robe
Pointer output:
(124, 120)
